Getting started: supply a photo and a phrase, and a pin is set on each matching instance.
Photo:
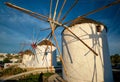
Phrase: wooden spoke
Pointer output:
(52, 26)
(59, 14)
(50, 36)
(36, 15)
(81, 41)
(37, 36)
(35, 54)
(50, 14)
(44, 29)
(55, 21)
(51, 53)
(102, 8)
(55, 9)
(61, 59)
(94, 11)
(66, 27)
(45, 52)
(76, 1)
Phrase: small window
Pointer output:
(98, 27)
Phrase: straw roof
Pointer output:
(28, 52)
(81, 20)
(46, 42)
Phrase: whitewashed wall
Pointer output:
(45, 59)
(39, 60)
(27, 60)
(83, 65)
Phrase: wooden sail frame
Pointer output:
(56, 23)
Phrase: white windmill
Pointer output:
(85, 56)
(46, 54)
(81, 63)
(27, 59)
(42, 55)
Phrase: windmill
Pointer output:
(56, 21)
(34, 54)
(27, 52)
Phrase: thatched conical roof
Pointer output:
(28, 52)
(46, 42)
(81, 20)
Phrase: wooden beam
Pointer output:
(67, 28)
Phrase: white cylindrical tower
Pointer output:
(46, 58)
(81, 64)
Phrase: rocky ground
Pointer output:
(57, 77)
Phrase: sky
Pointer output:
(17, 28)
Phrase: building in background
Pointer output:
(44, 56)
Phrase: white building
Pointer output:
(14, 60)
(27, 58)
(46, 54)
(81, 64)
(41, 59)
(3, 54)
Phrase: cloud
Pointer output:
(17, 27)
(10, 36)
(10, 39)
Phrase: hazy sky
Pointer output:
(17, 27)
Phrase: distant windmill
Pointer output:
(47, 56)
(31, 45)
(85, 55)
(39, 54)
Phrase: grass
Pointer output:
(32, 78)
